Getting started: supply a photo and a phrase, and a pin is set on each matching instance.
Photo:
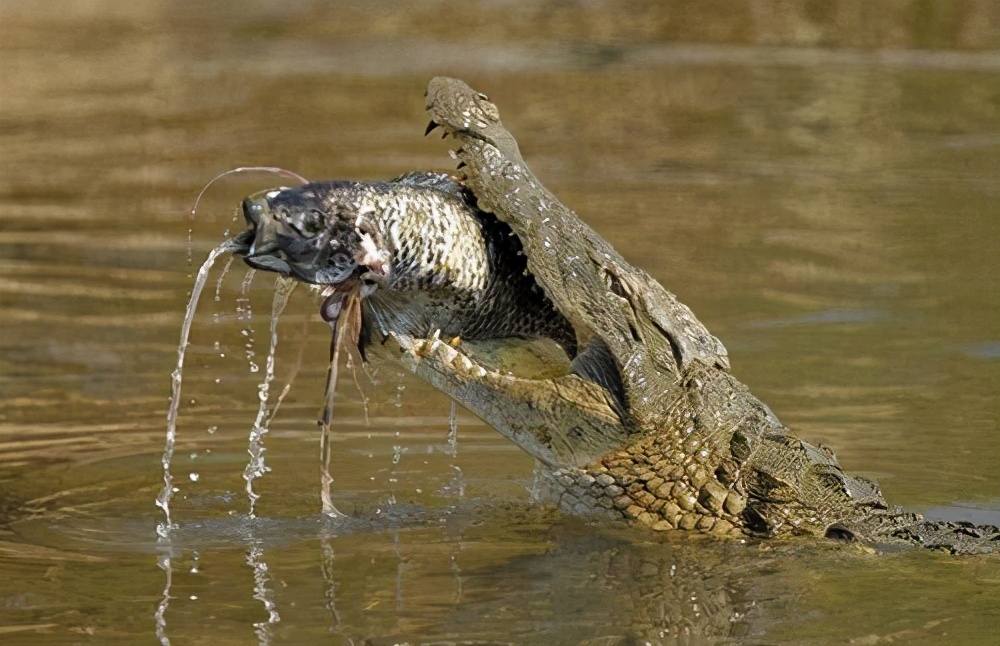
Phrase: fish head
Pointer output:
(314, 234)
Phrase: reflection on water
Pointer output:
(817, 180)
(262, 592)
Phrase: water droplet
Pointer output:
(194, 477)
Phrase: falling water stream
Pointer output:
(453, 430)
(163, 530)
(167, 492)
(457, 485)
(283, 288)
(222, 278)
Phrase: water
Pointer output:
(818, 181)
(164, 529)
(176, 377)
(344, 327)
(457, 485)
(263, 593)
(283, 288)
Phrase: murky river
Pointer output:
(820, 182)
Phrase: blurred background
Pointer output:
(817, 180)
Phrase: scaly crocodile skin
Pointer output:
(647, 425)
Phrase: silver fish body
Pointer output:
(423, 256)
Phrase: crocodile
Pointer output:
(646, 424)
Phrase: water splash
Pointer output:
(164, 529)
(293, 373)
(455, 487)
(168, 490)
(283, 288)
(352, 366)
(244, 312)
(222, 278)
(453, 430)
(457, 484)
(397, 455)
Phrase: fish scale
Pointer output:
(432, 238)
(448, 267)
(461, 265)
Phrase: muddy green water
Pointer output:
(820, 182)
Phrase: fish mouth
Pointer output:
(260, 244)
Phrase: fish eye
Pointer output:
(312, 220)
(305, 223)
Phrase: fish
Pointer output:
(412, 256)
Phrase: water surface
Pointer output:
(819, 182)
